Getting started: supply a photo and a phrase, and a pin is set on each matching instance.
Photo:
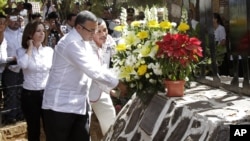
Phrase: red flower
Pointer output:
(180, 51)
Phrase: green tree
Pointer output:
(66, 6)
(3, 3)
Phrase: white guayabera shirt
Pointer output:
(74, 63)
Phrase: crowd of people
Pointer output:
(58, 73)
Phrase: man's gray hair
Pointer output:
(84, 16)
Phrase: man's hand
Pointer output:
(122, 88)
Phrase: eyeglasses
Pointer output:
(90, 31)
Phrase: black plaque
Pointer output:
(152, 113)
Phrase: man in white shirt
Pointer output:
(66, 96)
(101, 102)
(47, 8)
(70, 21)
(12, 77)
(3, 43)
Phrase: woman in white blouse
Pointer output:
(35, 59)
(220, 40)
(219, 30)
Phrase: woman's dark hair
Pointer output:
(70, 15)
(53, 15)
(29, 31)
(36, 15)
(27, 6)
(218, 18)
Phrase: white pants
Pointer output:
(105, 112)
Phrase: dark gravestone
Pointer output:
(163, 130)
(134, 119)
(152, 113)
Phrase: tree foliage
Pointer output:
(2, 5)
(66, 6)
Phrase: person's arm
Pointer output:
(3, 52)
(53, 7)
(82, 56)
(43, 5)
(29, 50)
(23, 55)
(122, 88)
(223, 42)
(222, 36)
(11, 53)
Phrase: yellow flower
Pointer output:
(145, 50)
(119, 28)
(143, 35)
(136, 23)
(131, 39)
(154, 51)
(153, 24)
(183, 27)
(126, 71)
(165, 25)
(136, 61)
(142, 70)
(121, 47)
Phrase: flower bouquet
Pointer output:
(135, 61)
(143, 57)
(178, 55)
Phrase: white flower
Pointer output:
(123, 16)
(132, 85)
(131, 38)
(157, 34)
(143, 61)
(165, 14)
(131, 60)
(152, 81)
(156, 68)
(174, 24)
(154, 13)
(136, 59)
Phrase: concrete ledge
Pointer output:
(203, 113)
(15, 132)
